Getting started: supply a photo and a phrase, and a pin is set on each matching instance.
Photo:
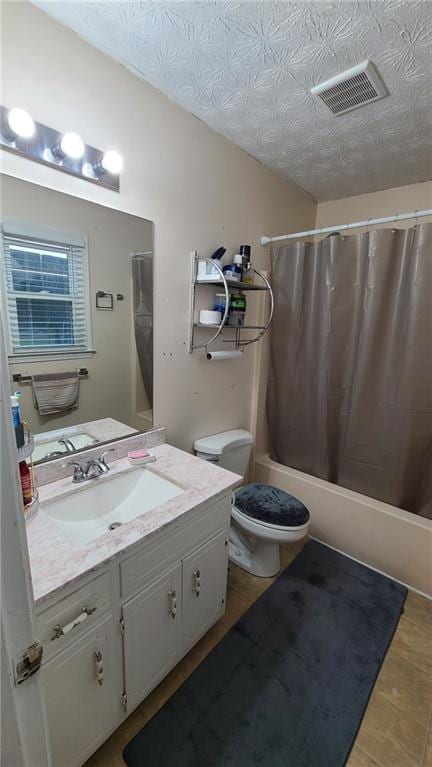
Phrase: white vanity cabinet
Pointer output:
(110, 641)
(163, 621)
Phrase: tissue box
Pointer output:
(207, 271)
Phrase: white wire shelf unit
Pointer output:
(237, 341)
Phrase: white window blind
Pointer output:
(45, 285)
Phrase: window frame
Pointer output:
(13, 228)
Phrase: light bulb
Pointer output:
(20, 123)
(112, 162)
(72, 146)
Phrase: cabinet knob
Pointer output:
(99, 666)
(197, 582)
(173, 602)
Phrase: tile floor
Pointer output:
(397, 727)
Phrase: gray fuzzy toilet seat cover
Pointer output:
(269, 504)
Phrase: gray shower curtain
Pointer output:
(142, 294)
(350, 389)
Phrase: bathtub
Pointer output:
(390, 540)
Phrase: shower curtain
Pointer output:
(142, 294)
(350, 389)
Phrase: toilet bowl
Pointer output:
(254, 545)
(262, 516)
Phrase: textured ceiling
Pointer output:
(246, 68)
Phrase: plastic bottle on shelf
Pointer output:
(245, 253)
(26, 483)
(238, 263)
(237, 310)
(233, 271)
(220, 303)
(16, 415)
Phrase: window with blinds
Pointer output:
(46, 294)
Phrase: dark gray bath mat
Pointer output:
(289, 683)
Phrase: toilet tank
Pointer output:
(229, 449)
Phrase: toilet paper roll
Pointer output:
(209, 317)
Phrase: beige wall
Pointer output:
(199, 190)
(109, 389)
(401, 199)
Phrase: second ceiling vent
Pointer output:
(351, 89)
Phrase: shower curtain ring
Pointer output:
(416, 218)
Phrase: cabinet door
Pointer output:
(80, 696)
(151, 635)
(204, 588)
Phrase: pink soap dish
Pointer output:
(140, 457)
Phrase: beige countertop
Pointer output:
(56, 563)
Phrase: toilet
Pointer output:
(262, 516)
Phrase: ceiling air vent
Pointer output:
(351, 89)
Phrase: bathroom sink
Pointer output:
(105, 503)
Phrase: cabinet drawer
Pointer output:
(94, 597)
(157, 556)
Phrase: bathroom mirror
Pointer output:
(77, 307)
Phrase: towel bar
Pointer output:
(20, 379)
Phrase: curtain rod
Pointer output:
(343, 227)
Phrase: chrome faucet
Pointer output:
(70, 447)
(98, 466)
(92, 469)
(54, 454)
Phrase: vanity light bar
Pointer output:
(20, 134)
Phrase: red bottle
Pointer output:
(26, 484)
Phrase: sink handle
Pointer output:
(78, 474)
(105, 452)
